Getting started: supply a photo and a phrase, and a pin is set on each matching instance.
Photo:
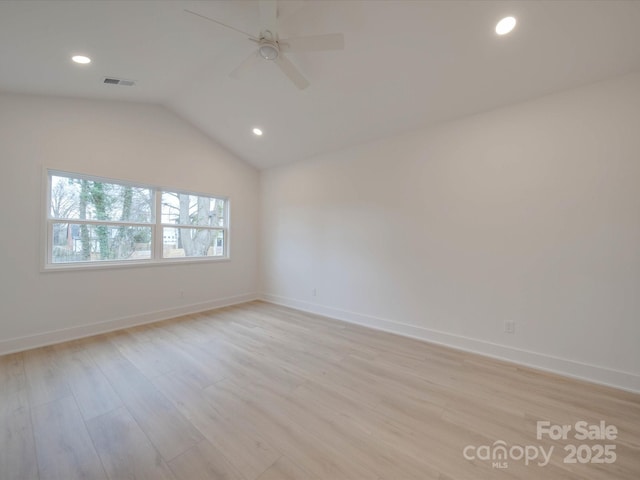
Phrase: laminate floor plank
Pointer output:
(125, 451)
(285, 469)
(327, 426)
(64, 448)
(296, 442)
(144, 355)
(45, 378)
(204, 461)
(167, 429)
(17, 446)
(248, 452)
(241, 363)
(91, 389)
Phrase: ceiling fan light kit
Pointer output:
(271, 48)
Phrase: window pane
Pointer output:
(73, 198)
(192, 242)
(185, 209)
(74, 242)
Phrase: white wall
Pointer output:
(129, 141)
(529, 213)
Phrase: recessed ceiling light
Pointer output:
(505, 25)
(257, 131)
(81, 59)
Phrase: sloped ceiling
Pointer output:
(406, 64)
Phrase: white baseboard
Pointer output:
(569, 368)
(73, 333)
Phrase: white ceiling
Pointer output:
(406, 64)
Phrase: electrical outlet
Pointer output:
(314, 292)
(510, 327)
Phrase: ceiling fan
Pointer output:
(272, 48)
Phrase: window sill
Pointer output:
(76, 267)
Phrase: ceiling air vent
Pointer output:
(119, 81)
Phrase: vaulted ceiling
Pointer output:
(406, 64)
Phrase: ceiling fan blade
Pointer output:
(246, 65)
(290, 70)
(268, 15)
(222, 24)
(313, 43)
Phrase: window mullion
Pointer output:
(158, 230)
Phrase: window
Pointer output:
(97, 221)
(192, 225)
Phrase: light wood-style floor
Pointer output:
(263, 392)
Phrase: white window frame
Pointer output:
(156, 226)
(160, 226)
